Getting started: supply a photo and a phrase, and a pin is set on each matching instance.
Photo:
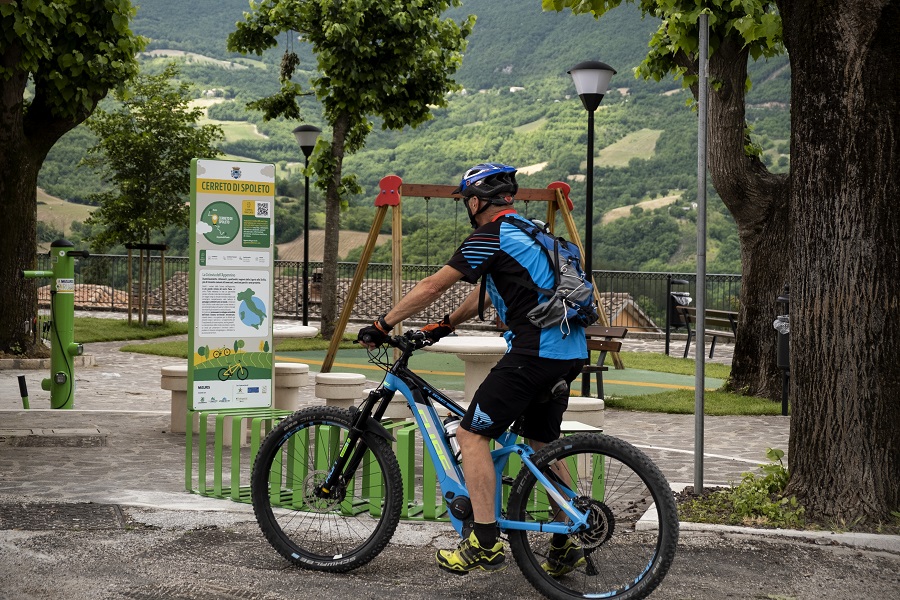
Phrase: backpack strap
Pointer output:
(481, 294)
(530, 228)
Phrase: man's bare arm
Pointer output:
(424, 294)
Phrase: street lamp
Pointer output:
(591, 79)
(306, 136)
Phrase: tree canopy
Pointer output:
(391, 59)
(756, 197)
(57, 61)
(144, 151)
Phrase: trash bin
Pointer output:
(677, 299)
(673, 300)
(782, 327)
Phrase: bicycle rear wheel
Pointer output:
(334, 534)
(625, 556)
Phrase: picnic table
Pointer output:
(286, 332)
(479, 353)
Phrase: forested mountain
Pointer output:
(517, 106)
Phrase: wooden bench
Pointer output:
(723, 323)
(602, 339)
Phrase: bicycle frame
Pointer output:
(421, 398)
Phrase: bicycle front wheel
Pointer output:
(337, 533)
(626, 553)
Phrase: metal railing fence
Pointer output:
(631, 298)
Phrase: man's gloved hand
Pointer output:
(435, 331)
(375, 334)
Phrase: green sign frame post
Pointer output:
(232, 233)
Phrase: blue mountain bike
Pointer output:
(328, 493)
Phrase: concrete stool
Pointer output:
(586, 410)
(340, 389)
(289, 378)
(397, 410)
(174, 378)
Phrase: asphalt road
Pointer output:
(97, 551)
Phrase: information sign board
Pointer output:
(232, 230)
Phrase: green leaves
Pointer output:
(676, 41)
(391, 59)
(144, 151)
(72, 52)
(756, 500)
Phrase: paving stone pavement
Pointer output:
(190, 546)
(120, 396)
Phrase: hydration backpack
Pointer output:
(571, 300)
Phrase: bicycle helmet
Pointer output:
(489, 181)
(495, 183)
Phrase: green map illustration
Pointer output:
(252, 311)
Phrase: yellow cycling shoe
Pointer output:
(469, 555)
(564, 559)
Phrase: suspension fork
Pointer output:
(354, 447)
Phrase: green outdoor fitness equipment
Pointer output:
(61, 383)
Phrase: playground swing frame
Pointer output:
(391, 191)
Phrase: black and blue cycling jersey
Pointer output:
(505, 254)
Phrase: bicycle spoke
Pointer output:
(614, 485)
(336, 531)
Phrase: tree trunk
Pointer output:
(330, 301)
(758, 201)
(24, 143)
(845, 290)
(18, 296)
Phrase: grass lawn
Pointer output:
(179, 348)
(670, 401)
(681, 402)
(92, 329)
(649, 361)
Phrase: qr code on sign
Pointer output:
(262, 209)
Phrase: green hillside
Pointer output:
(518, 106)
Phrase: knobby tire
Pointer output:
(617, 483)
(324, 534)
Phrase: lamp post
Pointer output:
(306, 136)
(591, 79)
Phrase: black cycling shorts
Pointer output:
(519, 386)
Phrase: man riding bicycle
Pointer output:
(518, 387)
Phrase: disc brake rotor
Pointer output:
(601, 523)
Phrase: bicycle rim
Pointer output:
(626, 552)
(328, 534)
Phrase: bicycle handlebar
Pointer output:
(414, 339)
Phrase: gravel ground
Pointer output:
(133, 553)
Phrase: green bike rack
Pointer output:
(422, 499)
(61, 383)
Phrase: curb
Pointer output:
(31, 364)
(866, 541)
